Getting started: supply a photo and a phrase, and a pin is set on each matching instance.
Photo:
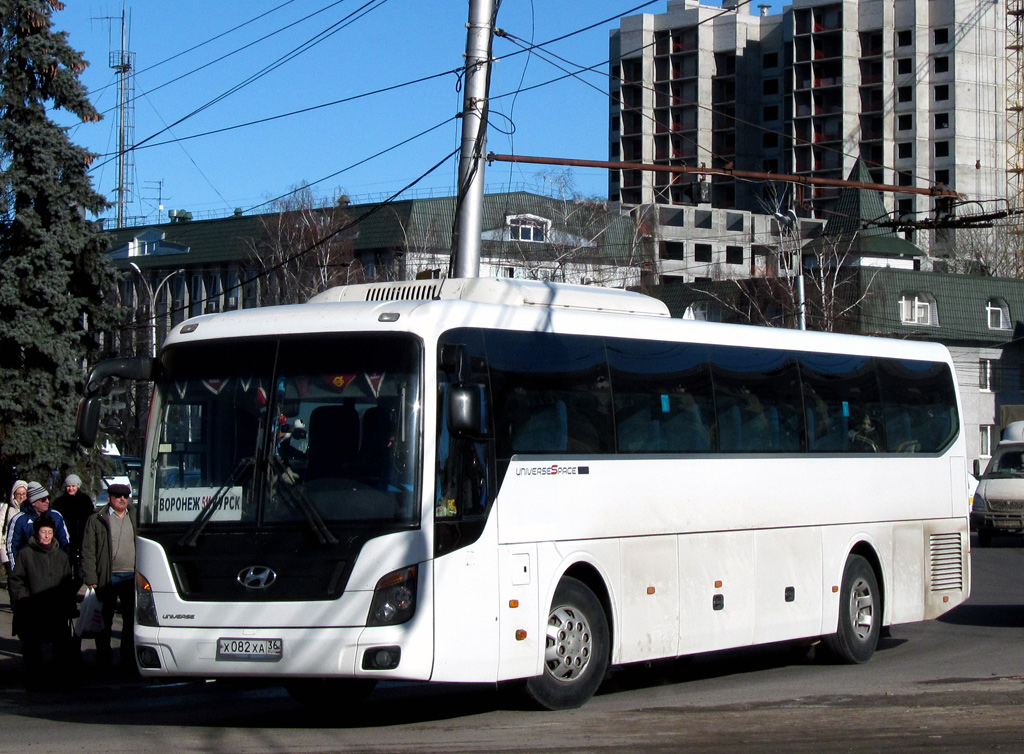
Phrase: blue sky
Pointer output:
(196, 73)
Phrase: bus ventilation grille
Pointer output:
(947, 562)
(422, 292)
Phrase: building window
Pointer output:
(771, 86)
(941, 36)
(988, 375)
(942, 92)
(734, 255)
(904, 122)
(905, 149)
(529, 228)
(905, 208)
(942, 149)
(904, 65)
(998, 314)
(771, 60)
(942, 64)
(917, 309)
(674, 250)
(702, 252)
(942, 176)
(904, 38)
(904, 93)
(941, 120)
(985, 434)
(771, 112)
(904, 178)
(770, 140)
(704, 311)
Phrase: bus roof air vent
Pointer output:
(503, 291)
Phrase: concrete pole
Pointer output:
(469, 224)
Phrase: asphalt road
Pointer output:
(951, 685)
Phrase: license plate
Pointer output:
(250, 650)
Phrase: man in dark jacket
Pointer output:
(43, 599)
(108, 566)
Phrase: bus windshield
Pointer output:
(271, 432)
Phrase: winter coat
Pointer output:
(76, 510)
(8, 510)
(96, 565)
(42, 592)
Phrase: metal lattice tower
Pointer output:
(123, 61)
(1015, 103)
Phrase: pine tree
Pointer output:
(53, 270)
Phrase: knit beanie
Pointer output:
(36, 491)
(73, 479)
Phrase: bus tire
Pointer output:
(860, 613)
(577, 650)
(330, 694)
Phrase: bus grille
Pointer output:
(1006, 505)
(947, 562)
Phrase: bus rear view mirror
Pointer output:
(99, 385)
(467, 411)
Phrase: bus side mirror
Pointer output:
(99, 384)
(467, 411)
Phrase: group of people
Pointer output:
(49, 551)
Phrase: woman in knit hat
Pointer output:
(75, 506)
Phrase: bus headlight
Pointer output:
(145, 606)
(978, 503)
(394, 598)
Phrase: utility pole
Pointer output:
(470, 201)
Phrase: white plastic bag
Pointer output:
(90, 615)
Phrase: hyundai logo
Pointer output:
(256, 577)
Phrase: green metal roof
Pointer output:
(416, 224)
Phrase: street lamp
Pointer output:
(152, 299)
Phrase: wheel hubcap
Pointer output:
(862, 603)
(569, 639)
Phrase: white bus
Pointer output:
(482, 480)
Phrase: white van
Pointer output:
(117, 475)
(998, 505)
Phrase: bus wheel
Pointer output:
(577, 651)
(330, 694)
(860, 613)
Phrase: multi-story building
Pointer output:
(913, 88)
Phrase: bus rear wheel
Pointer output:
(860, 613)
(577, 649)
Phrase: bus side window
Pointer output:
(540, 427)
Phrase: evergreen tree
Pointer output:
(53, 270)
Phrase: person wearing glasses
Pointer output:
(22, 528)
(8, 510)
(108, 566)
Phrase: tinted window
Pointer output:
(842, 407)
(757, 400)
(551, 393)
(663, 398)
(920, 405)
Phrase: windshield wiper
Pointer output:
(188, 539)
(297, 498)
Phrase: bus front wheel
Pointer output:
(860, 613)
(577, 650)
